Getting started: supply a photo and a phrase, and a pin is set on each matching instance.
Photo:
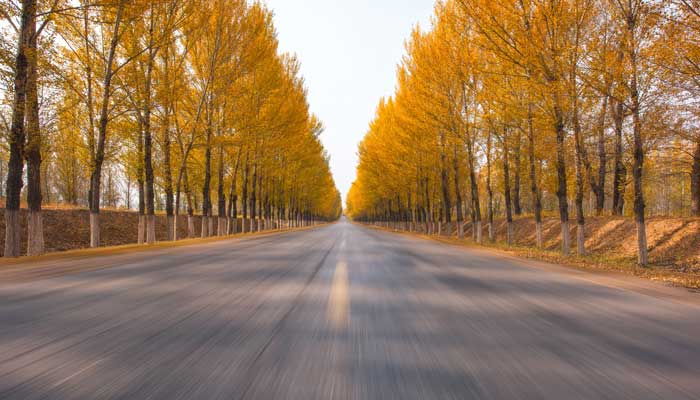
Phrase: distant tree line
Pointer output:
(179, 106)
(567, 107)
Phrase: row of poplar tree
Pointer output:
(190, 99)
(534, 106)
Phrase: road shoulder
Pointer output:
(612, 279)
(26, 269)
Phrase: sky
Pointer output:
(349, 51)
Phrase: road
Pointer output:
(340, 312)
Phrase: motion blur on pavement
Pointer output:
(340, 312)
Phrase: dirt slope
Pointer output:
(70, 229)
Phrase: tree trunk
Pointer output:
(178, 194)
(638, 167)
(534, 186)
(221, 224)
(620, 173)
(597, 183)
(35, 239)
(506, 189)
(99, 153)
(171, 227)
(206, 188)
(142, 191)
(148, 145)
(141, 230)
(260, 203)
(150, 228)
(517, 208)
(191, 233)
(602, 161)
(458, 198)
(167, 167)
(233, 200)
(489, 189)
(562, 190)
(475, 202)
(695, 180)
(446, 206)
(169, 196)
(142, 213)
(244, 200)
(253, 199)
(580, 218)
(17, 132)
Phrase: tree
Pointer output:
(26, 46)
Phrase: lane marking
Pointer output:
(339, 301)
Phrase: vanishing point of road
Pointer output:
(342, 312)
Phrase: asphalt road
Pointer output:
(341, 312)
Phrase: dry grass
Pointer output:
(69, 229)
(674, 246)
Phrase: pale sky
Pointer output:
(349, 51)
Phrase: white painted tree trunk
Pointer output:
(190, 227)
(94, 230)
(210, 231)
(151, 229)
(565, 239)
(479, 232)
(509, 234)
(205, 226)
(35, 227)
(460, 230)
(492, 233)
(171, 227)
(13, 237)
(581, 239)
(643, 258)
(222, 226)
(141, 239)
(176, 224)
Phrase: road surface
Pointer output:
(340, 312)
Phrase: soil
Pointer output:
(69, 229)
(674, 243)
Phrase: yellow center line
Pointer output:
(338, 301)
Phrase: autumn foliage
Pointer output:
(564, 107)
(168, 106)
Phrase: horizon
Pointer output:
(345, 82)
